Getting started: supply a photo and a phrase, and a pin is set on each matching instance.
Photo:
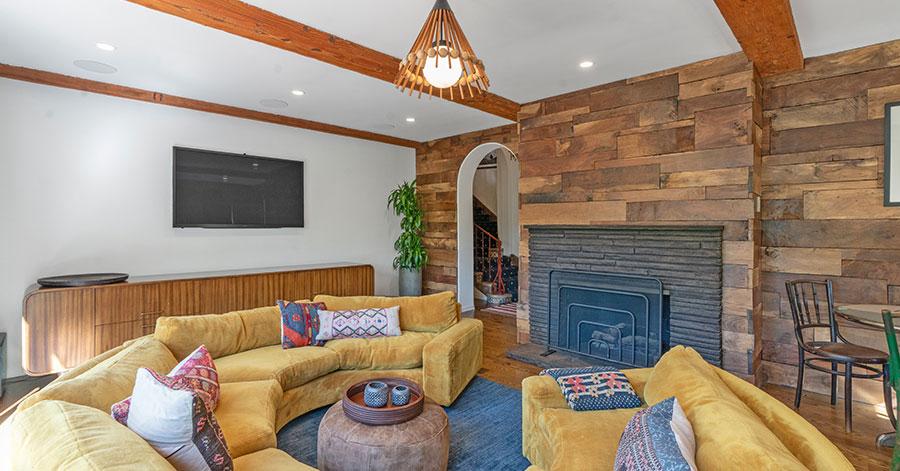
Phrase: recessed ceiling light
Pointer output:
(410, 120)
(106, 47)
(94, 66)
(273, 103)
(298, 92)
(586, 64)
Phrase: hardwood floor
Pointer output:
(859, 446)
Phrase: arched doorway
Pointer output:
(464, 226)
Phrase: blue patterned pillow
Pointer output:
(299, 323)
(659, 438)
(595, 388)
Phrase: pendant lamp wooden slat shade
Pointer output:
(442, 58)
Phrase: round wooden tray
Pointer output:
(357, 410)
(87, 279)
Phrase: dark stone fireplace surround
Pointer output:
(687, 260)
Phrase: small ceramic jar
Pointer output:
(376, 394)
(400, 395)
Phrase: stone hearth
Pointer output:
(686, 260)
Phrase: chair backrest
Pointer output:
(812, 307)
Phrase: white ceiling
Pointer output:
(827, 26)
(531, 48)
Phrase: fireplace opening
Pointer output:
(617, 319)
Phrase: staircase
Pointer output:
(488, 260)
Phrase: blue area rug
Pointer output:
(485, 430)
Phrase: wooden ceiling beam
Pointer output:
(75, 83)
(767, 33)
(256, 24)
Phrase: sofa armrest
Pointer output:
(451, 359)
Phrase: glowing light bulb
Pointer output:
(441, 72)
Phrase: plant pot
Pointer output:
(410, 282)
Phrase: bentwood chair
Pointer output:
(894, 362)
(812, 307)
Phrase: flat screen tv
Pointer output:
(223, 190)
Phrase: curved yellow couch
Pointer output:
(263, 387)
(736, 425)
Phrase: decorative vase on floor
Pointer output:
(410, 282)
(400, 395)
(376, 394)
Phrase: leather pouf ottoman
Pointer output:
(422, 443)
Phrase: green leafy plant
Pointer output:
(411, 253)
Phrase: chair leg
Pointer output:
(800, 365)
(888, 396)
(848, 397)
(834, 383)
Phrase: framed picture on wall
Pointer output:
(892, 154)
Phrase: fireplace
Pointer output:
(616, 319)
(621, 295)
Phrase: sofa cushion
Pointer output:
(197, 372)
(658, 438)
(404, 351)
(223, 334)
(170, 415)
(578, 441)
(246, 414)
(729, 435)
(595, 388)
(111, 380)
(432, 313)
(291, 368)
(299, 323)
(61, 435)
(359, 323)
(270, 459)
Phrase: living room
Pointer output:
(349, 235)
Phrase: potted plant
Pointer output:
(411, 256)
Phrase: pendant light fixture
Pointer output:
(442, 58)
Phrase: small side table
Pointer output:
(422, 443)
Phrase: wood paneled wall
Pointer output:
(437, 167)
(823, 213)
(677, 147)
(696, 144)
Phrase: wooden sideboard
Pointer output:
(63, 327)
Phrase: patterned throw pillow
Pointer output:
(363, 323)
(197, 372)
(659, 438)
(595, 388)
(175, 421)
(300, 323)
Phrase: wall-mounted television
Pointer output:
(223, 190)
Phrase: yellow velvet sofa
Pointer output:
(263, 387)
(736, 425)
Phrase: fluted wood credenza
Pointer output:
(63, 327)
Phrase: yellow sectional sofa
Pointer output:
(263, 387)
(736, 425)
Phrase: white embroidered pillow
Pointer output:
(359, 324)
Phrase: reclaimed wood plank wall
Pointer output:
(823, 215)
(437, 166)
(677, 147)
(696, 144)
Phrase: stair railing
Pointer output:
(485, 245)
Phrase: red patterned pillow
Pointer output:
(300, 323)
(174, 420)
(196, 372)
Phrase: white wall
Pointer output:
(508, 201)
(86, 184)
(484, 187)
